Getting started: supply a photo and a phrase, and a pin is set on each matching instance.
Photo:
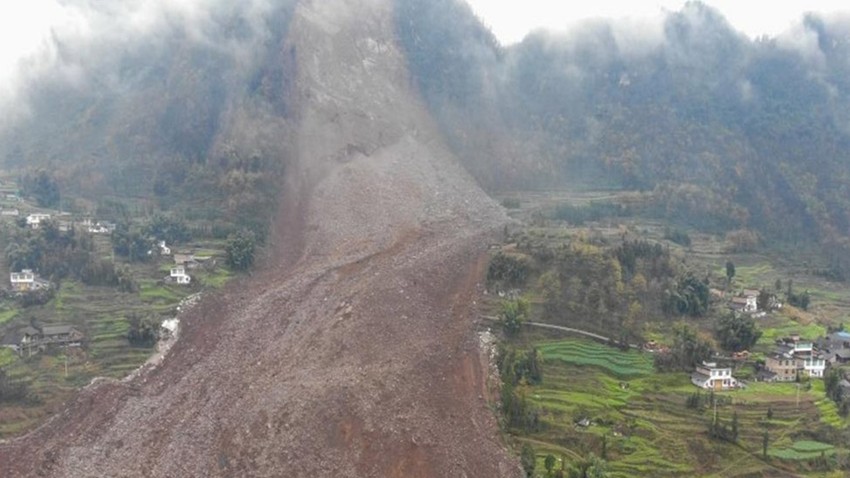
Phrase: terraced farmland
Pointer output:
(648, 430)
(629, 364)
(803, 450)
(102, 315)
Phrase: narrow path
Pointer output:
(572, 330)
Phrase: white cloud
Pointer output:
(65, 37)
(804, 41)
(511, 21)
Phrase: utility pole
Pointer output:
(714, 422)
(798, 396)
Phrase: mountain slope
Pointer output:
(352, 353)
(187, 116)
(729, 132)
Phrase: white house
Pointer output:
(96, 227)
(813, 366)
(709, 376)
(10, 212)
(27, 280)
(163, 249)
(746, 304)
(22, 281)
(801, 348)
(34, 219)
(178, 274)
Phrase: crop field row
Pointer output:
(591, 354)
(803, 450)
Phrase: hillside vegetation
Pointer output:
(632, 410)
(727, 132)
(190, 118)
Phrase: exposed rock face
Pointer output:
(352, 353)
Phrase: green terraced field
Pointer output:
(648, 429)
(630, 364)
(802, 450)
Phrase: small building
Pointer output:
(35, 219)
(796, 358)
(813, 366)
(764, 375)
(188, 261)
(835, 347)
(33, 339)
(839, 356)
(782, 366)
(26, 281)
(22, 281)
(746, 305)
(10, 213)
(709, 376)
(178, 275)
(98, 227)
(60, 335)
(164, 250)
(801, 348)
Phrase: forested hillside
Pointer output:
(187, 116)
(728, 132)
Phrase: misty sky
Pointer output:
(511, 20)
(30, 29)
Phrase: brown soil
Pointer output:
(353, 352)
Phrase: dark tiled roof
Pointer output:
(49, 330)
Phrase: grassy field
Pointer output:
(647, 428)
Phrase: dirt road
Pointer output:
(352, 352)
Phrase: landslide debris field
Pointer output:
(352, 353)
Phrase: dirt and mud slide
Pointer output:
(352, 353)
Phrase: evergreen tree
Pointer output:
(240, 250)
(527, 458)
(549, 463)
(765, 441)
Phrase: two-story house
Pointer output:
(709, 376)
(746, 303)
(794, 359)
(178, 275)
(782, 367)
(26, 281)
